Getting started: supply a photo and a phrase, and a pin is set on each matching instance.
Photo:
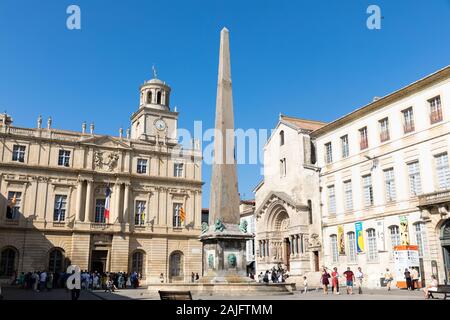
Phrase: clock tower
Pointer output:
(154, 120)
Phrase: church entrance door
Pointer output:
(287, 259)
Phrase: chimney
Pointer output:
(83, 127)
(120, 133)
(49, 123)
(91, 127)
(39, 122)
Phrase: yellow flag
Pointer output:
(182, 214)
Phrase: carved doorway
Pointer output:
(287, 256)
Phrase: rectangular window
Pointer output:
(389, 182)
(395, 236)
(13, 207)
(351, 243)
(328, 153)
(363, 139)
(442, 171)
(367, 190)
(345, 147)
(372, 254)
(64, 158)
(348, 193)
(100, 211)
(177, 215)
(408, 120)
(178, 170)
(334, 249)
(59, 213)
(384, 130)
(435, 109)
(421, 238)
(18, 153)
(331, 200)
(139, 213)
(141, 166)
(415, 185)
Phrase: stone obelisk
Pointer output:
(224, 239)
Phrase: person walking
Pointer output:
(161, 277)
(49, 283)
(192, 277)
(335, 281)
(415, 279)
(359, 278)
(42, 280)
(388, 279)
(324, 279)
(305, 285)
(350, 277)
(408, 279)
(197, 277)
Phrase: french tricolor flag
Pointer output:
(107, 203)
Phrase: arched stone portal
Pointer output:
(445, 243)
(278, 223)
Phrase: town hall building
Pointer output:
(126, 203)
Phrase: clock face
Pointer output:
(160, 124)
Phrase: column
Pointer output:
(302, 248)
(116, 216)
(126, 204)
(79, 200)
(267, 249)
(89, 202)
(291, 245)
(295, 238)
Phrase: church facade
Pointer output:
(104, 203)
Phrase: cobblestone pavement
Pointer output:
(10, 293)
(144, 294)
(375, 294)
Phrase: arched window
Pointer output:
(137, 262)
(56, 260)
(372, 254)
(8, 262)
(176, 264)
(334, 248)
(149, 97)
(351, 242)
(158, 97)
(281, 138)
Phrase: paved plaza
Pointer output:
(144, 294)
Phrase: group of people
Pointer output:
(350, 279)
(45, 280)
(275, 275)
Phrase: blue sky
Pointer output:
(311, 59)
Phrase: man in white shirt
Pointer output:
(42, 280)
(359, 278)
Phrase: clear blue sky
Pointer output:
(311, 59)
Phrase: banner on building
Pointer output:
(404, 234)
(341, 240)
(359, 237)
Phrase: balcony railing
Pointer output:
(12, 222)
(408, 127)
(384, 136)
(100, 226)
(364, 144)
(436, 116)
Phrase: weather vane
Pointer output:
(155, 74)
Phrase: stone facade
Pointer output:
(383, 167)
(396, 169)
(53, 187)
(288, 230)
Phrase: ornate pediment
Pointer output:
(106, 142)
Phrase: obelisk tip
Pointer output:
(225, 30)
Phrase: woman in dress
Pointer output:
(335, 281)
(324, 279)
